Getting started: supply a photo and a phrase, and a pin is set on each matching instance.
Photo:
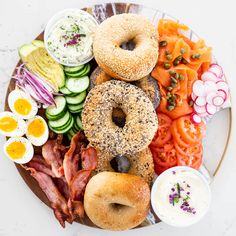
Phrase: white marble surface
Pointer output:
(21, 213)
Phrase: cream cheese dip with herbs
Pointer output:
(70, 39)
(180, 196)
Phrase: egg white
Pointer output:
(17, 94)
(29, 149)
(21, 125)
(38, 141)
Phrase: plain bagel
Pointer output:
(116, 201)
(128, 65)
(141, 120)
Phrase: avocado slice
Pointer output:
(39, 61)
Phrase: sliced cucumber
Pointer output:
(75, 129)
(76, 99)
(74, 69)
(38, 43)
(65, 129)
(65, 91)
(76, 108)
(55, 112)
(69, 136)
(77, 85)
(71, 132)
(60, 123)
(78, 122)
(80, 73)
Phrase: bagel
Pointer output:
(140, 122)
(116, 201)
(140, 164)
(128, 65)
(147, 84)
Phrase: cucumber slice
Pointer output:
(65, 129)
(76, 99)
(55, 112)
(38, 43)
(79, 74)
(69, 136)
(77, 85)
(60, 123)
(74, 69)
(78, 122)
(75, 128)
(65, 91)
(75, 108)
(71, 132)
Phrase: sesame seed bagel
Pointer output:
(147, 84)
(116, 201)
(128, 65)
(141, 164)
(141, 120)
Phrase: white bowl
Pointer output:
(51, 23)
(157, 184)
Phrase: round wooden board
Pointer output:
(101, 12)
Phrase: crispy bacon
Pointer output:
(72, 156)
(78, 184)
(76, 209)
(53, 152)
(89, 158)
(57, 201)
(62, 187)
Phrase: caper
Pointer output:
(190, 103)
(196, 56)
(181, 77)
(167, 52)
(169, 88)
(184, 61)
(182, 50)
(167, 66)
(172, 72)
(170, 107)
(168, 57)
(177, 60)
(173, 80)
(168, 94)
(177, 76)
(173, 85)
(162, 43)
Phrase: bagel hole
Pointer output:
(118, 206)
(120, 163)
(118, 117)
(130, 45)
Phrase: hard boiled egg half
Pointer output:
(19, 150)
(37, 131)
(22, 104)
(11, 125)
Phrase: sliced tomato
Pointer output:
(164, 157)
(163, 134)
(176, 135)
(193, 161)
(190, 150)
(191, 133)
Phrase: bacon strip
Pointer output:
(62, 187)
(78, 184)
(76, 209)
(71, 159)
(57, 201)
(89, 158)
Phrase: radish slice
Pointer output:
(217, 70)
(223, 94)
(199, 109)
(203, 115)
(209, 97)
(211, 109)
(210, 86)
(218, 101)
(200, 101)
(194, 97)
(222, 85)
(196, 119)
(209, 76)
(198, 88)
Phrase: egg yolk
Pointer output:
(36, 128)
(8, 124)
(16, 150)
(22, 106)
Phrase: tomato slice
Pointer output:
(163, 134)
(193, 161)
(176, 135)
(164, 157)
(191, 133)
(190, 150)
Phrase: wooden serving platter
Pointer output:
(214, 148)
